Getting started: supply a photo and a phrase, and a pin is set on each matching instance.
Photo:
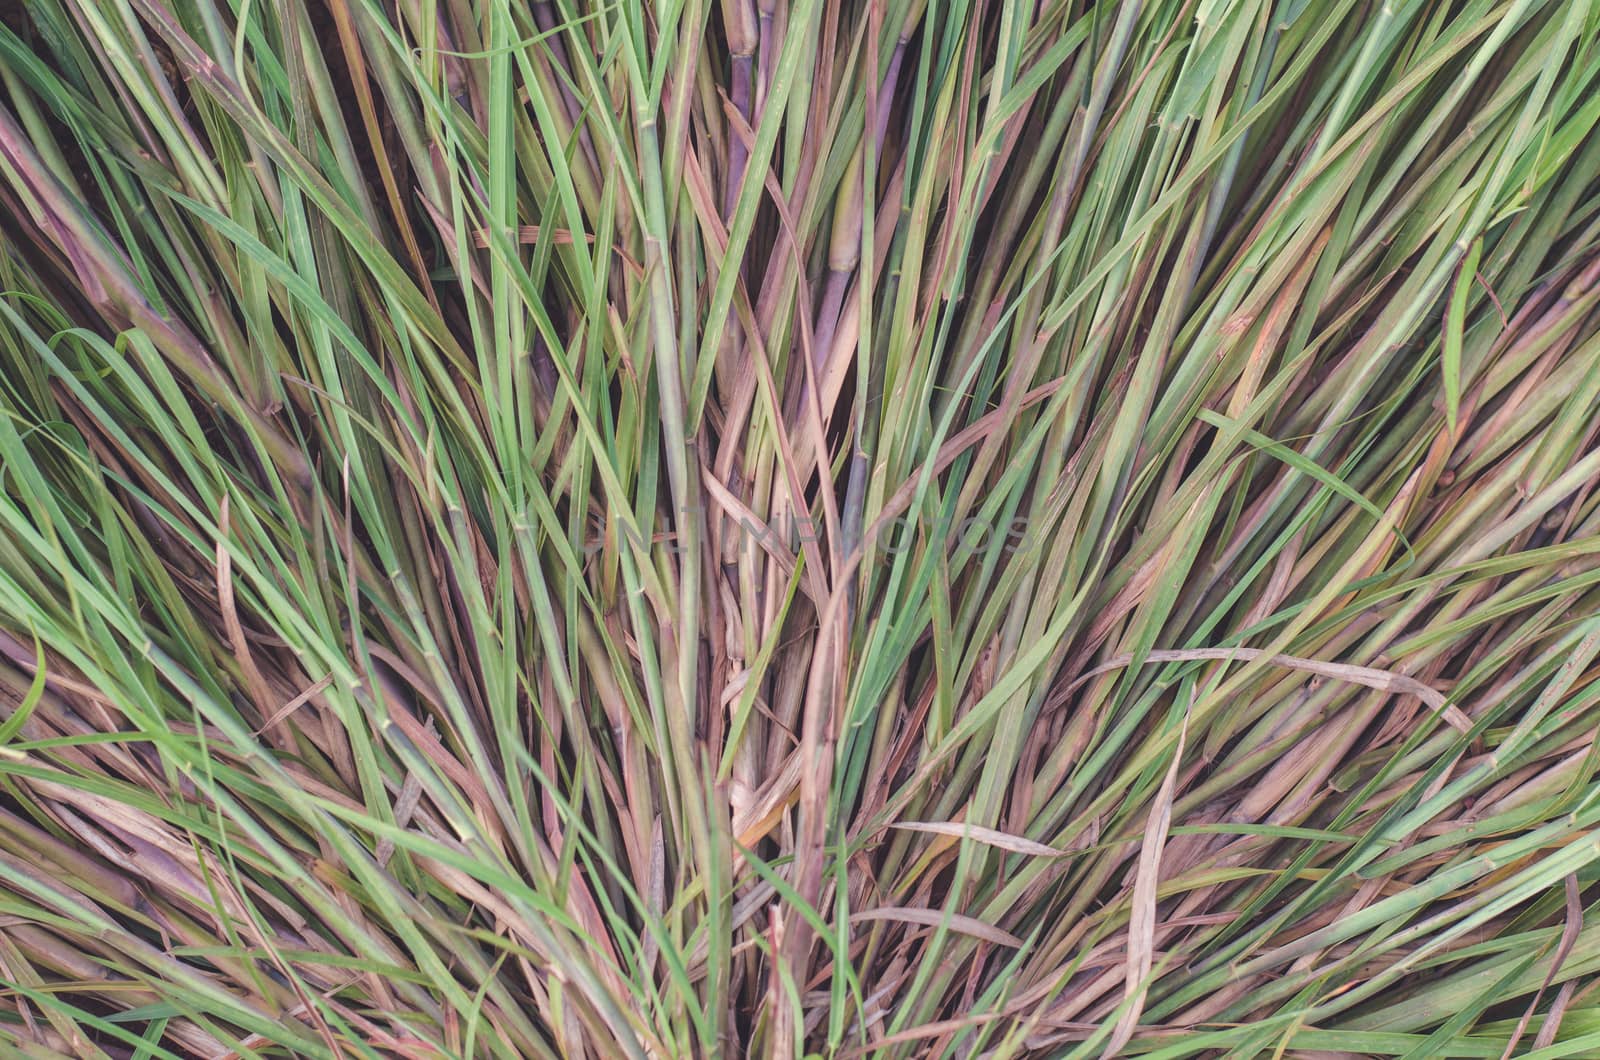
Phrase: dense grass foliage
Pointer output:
(889, 528)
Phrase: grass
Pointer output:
(887, 529)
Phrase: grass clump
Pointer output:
(888, 529)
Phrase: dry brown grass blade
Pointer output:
(1367, 676)
(1571, 926)
(1142, 914)
(938, 918)
(1013, 844)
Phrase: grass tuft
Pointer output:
(887, 529)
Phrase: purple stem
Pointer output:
(764, 51)
(886, 95)
(738, 154)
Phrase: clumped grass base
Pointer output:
(888, 529)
